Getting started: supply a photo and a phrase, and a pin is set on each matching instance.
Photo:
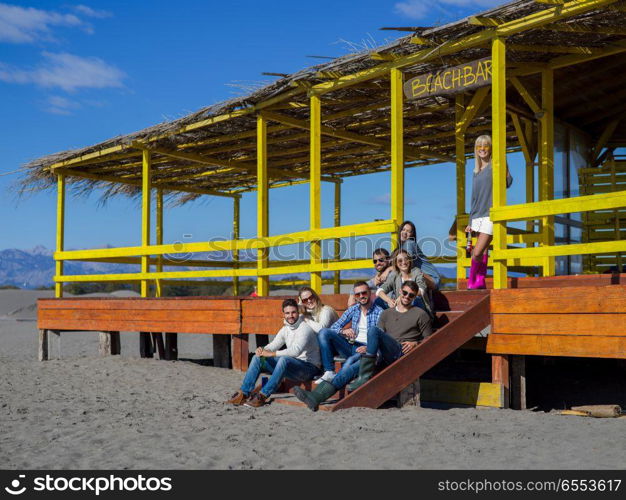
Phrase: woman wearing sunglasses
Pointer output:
(316, 314)
(407, 241)
(482, 200)
(403, 270)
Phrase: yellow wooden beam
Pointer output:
(563, 61)
(420, 40)
(498, 123)
(555, 49)
(379, 56)
(315, 189)
(159, 238)
(262, 202)
(472, 109)
(236, 222)
(60, 232)
(146, 191)
(599, 247)
(483, 21)
(459, 142)
(530, 211)
(397, 150)
(337, 242)
(526, 95)
(546, 165)
(581, 28)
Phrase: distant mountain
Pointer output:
(35, 268)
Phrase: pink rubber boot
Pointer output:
(471, 281)
(481, 272)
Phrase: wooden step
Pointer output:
(410, 367)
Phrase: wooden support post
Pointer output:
(159, 238)
(397, 150)
(500, 374)
(262, 197)
(518, 382)
(546, 169)
(459, 140)
(157, 342)
(337, 242)
(43, 345)
(146, 349)
(410, 395)
(109, 343)
(146, 189)
(498, 123)
(236, 220)
(221, 351)
(171, 346)
(240, 352)
(315, 189)
(60, 236)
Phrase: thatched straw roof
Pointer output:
(204, 152)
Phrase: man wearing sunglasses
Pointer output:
(399, 330)
(349, 332)
(382, 266)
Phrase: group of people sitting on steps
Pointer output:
(386, 316)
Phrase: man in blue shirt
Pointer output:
(349, 332)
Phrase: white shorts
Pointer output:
(482, 225)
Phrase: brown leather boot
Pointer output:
(257, 400)
(238, 399)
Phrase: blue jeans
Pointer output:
(379, 340)
(332, 343)
(349, 371)
(280, 367)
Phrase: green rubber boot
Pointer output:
(366, 370)
(312, 399)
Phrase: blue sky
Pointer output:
(75, 74)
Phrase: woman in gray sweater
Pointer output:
(482, 200)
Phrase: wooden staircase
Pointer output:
(461, 315)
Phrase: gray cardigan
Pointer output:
(394, 284)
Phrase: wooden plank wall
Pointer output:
(181, 315)
(581, 321)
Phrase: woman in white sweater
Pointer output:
(316, 314)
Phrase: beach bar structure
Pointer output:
(543, 77)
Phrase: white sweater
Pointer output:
(324, 319)
(300, 341)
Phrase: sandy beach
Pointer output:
(87, 412)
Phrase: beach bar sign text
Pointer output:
(453, 80)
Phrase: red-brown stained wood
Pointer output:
(175, 303)
(140, 315)
(558, 281)
(201, 327)
(587, 299)
(411, 366)
(240, 352)
(599, 324)
(558, 345)
(266, 326)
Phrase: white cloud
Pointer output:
(89, 12)
(66, 71)
(27, 24)
(418, 9)
(59, 105)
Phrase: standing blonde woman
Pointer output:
(482, 200)
(316, 314)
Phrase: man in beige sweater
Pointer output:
(299, 360)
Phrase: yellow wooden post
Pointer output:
(159, 238)
(60, 237)
(236, 217)
(546, 172)
(262, 200)
(498, 123)
(315, 188)
(146, 186)
(337, 242)
(397, 151)
(459, 140)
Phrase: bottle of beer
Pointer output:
(468, 247)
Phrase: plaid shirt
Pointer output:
(353, 314)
